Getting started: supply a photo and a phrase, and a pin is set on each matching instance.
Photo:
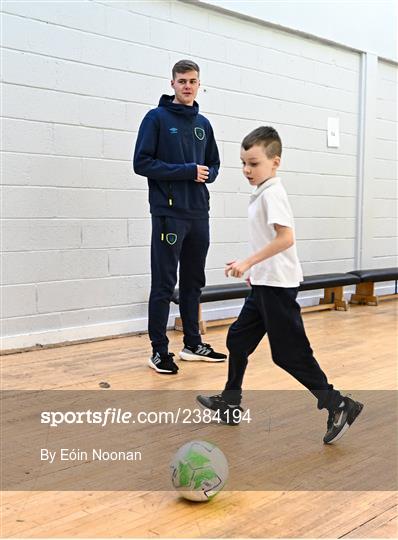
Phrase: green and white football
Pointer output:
(199, 470)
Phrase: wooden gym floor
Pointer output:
(357, 349)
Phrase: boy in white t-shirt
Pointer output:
(271, 308)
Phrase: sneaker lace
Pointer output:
(168, 359)
(330, 419)
(333, 416)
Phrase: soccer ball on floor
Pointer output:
(199, 470)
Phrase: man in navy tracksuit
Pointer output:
(177, 152)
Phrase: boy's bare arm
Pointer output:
(283, 240)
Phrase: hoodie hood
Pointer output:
(177, 108)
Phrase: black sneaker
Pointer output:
(226, 412)
(341, 419)
(203, 352)
(163, 363)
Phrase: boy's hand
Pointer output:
(236, 268)
(202, 174)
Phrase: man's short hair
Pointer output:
(182, 66)
(267, 137)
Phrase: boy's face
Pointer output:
(186, 86)
(257, 167)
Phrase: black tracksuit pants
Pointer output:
(176, 241)
(274, 311)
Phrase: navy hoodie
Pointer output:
(172, 140)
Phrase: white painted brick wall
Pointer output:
(384, 244)
(18, 300)
(78, 79)
(22, 202)
(220, 254)
(26, 235)
(139, 232)
(104, 233)
(72, 295)
(40, 266)
(129, 261)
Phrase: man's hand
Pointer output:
(203, 173)
(237, 268)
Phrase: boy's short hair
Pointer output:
(182, 66)
(267, 137)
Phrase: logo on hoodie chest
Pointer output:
(199, 133)
(173, 130)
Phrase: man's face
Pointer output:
(257, 167)
(186, 86)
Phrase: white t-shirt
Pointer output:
(269, 205)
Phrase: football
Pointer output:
(199, 470)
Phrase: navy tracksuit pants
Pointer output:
(176, 241)
(274, 311)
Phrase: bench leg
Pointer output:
(364, 294)
(178, 324)
(202, 323)
(334, 296)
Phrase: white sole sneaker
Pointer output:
(190, 357)
(215, 421)
(159, 370)
(340, 434)
(351, 417)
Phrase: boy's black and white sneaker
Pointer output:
(163, 363)
(202, 352)
(341, 419)
(227, 413)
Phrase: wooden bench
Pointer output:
(332, 285)
(364, 290)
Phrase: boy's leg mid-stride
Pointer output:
(272, 310)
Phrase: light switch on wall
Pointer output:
(333, 133)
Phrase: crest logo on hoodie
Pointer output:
(173, 130)
(199, 133)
